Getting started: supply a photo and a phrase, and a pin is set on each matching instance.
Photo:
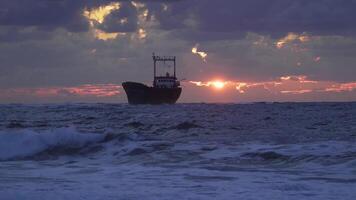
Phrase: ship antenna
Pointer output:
(174, 67)
(154, 68)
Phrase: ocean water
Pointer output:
(183, 151)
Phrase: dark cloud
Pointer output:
(43, 13)
(51, 13)
(112, 22)
(273, 17)
(193, 18)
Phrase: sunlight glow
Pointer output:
(218, 84)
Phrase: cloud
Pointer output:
(47, 43)
(284, 85)
(203, 55)
(96, 91)
(290, 38)
(44, 13)
(124, 19)
(79, 93)
(191, 19)
(97, 16)
(275, 17)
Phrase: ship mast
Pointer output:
(163, 59)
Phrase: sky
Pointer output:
(58, 51)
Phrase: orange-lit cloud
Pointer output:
(297, 45)
(288, 85)
(87, 90)
(99, 90)
(240, 86)
(202, 54)
(342, 87)
(142, 34)
(295, 91)
(97, 16)
(101, 35)
(301, 79)
(145, 21)
(291, 37)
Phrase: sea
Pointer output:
(183, 151)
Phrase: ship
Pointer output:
(165, 90)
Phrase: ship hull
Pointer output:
(138, 93)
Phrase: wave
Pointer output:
(24, 143)
(323, 153)
(279, 158)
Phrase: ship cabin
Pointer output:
(166, 81)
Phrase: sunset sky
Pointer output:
(227, 50)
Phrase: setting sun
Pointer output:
(218, 85)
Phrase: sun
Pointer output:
(218, 85)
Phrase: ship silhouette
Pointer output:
(165, 90)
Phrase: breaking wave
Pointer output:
(285, 150)
(25, 143)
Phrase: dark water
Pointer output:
(184, 151)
